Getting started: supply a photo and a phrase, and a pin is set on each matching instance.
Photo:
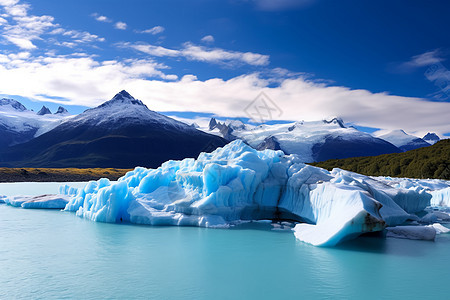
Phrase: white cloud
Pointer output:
(217, 55)
(22, 43)
(22, 29)
(83, 80)
(8, 2)
(83, 36)
(101, 18)
(427, 58)
(424, 59)
(19, 10)
(120, 25)
(154, 30)
(201, 53)
(208, 39)
(151, 49)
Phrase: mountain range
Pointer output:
(19, 125)
(317, 140)
(124, 133)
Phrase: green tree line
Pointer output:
(427, 162)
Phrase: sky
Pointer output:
(376, 64)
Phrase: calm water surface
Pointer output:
(53, 254)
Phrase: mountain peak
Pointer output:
(431, 136)
(61, 110)
(13, 103)
(44, 111)
(122, 97)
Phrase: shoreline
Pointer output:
(59, 174)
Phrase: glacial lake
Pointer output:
(49, 254)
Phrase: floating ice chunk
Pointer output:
(435, 216)
(42, 201)
(340, 214)
(47, 201)
(2, 199)
(440, 229)
(16, 201)
(427, 233)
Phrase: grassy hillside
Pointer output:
(58, 175)
(428, 162)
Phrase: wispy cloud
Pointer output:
(154, 30)
(101, 18)
(425, 59)
(22, 29)
(435, 71)
(208, 39)
(151, 49)
(200, 53)
(83, 36)
(120, 25)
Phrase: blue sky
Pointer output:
(380, 64)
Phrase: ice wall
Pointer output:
(441, 197)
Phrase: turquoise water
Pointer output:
(53, 254)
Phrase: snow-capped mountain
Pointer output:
(16, 105)
(19, 125)
(44, 111)
(61, 110)
(431, 138)
(312, 141)
(120, 133)
(401, 139)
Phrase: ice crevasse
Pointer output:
(237, 183)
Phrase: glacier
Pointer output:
(237, 183)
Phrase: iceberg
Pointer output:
(237, 183)
(42, 201)
(440, 229)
